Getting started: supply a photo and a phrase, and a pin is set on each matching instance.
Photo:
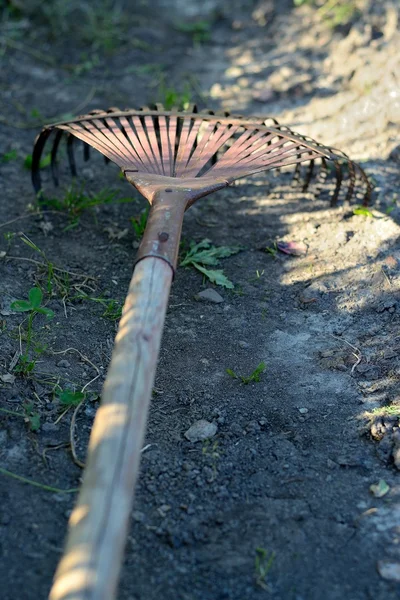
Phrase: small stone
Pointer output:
(7, 378)
(389, 569)
(63, 363)
(303, 411)
(49, 427)
(162, 510)
(209, 295)
(331, 464)
(201, 430)
(243, 344)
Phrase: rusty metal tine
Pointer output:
(246, 157)
(38, 147)
(339, 179)
(145, 146)
(109, 137)
(70, 153)
(122, 139)
(186, 145)
(165, 149)
(172, 131)
(209, 149)
(152, 137)
(54, 166)
(352, 181)
(145, 166)
(254, 147)
(308, 177)
(90, 138)
(86, 151)
(194, 165)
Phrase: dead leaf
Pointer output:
(293, 248)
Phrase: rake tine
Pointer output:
(322, 176)
(54, 166)
(70, 152)
(297, 173)
(308, 176)
(36, 156)
(86, 151)
(339, 179)
(352, 181)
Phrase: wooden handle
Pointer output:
(91, 563)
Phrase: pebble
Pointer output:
(201, 430)
(389, 569)
(63, 363)
(209, 295)
(49, 427)
(243, 344)
(303, 411)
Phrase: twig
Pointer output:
(32, 214)
(42, 264)
(358, 356)
(31, 51)
(72, 436)
(48, 488)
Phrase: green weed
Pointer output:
(198, 30)
(45, 161)
(55, 280)
(68, 398)
(140, 221)
(204, 254)
(33, 306)
(172, 98)
(76, 200)
(382, 411)
(392, 205)
(9, 156)
(254, 377)
(31, 416)
(333, 12)
(272, 250)
(112, 308)
(263, 563)
(362, 211)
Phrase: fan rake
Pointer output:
(173, 158)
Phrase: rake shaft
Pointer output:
(98, 525)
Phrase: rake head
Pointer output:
(158, 147)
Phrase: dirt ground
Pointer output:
(278, 503)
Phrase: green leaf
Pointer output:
(31, 244)
(45, 162)
(255, 376)
(21, 306)
(34, 422)
(232, 373)
(215, 276)
(35, 297)
(70, 398)
(206, 254)
(45, 311)
(7, 156)
(361, 210)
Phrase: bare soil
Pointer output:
(278, 503)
